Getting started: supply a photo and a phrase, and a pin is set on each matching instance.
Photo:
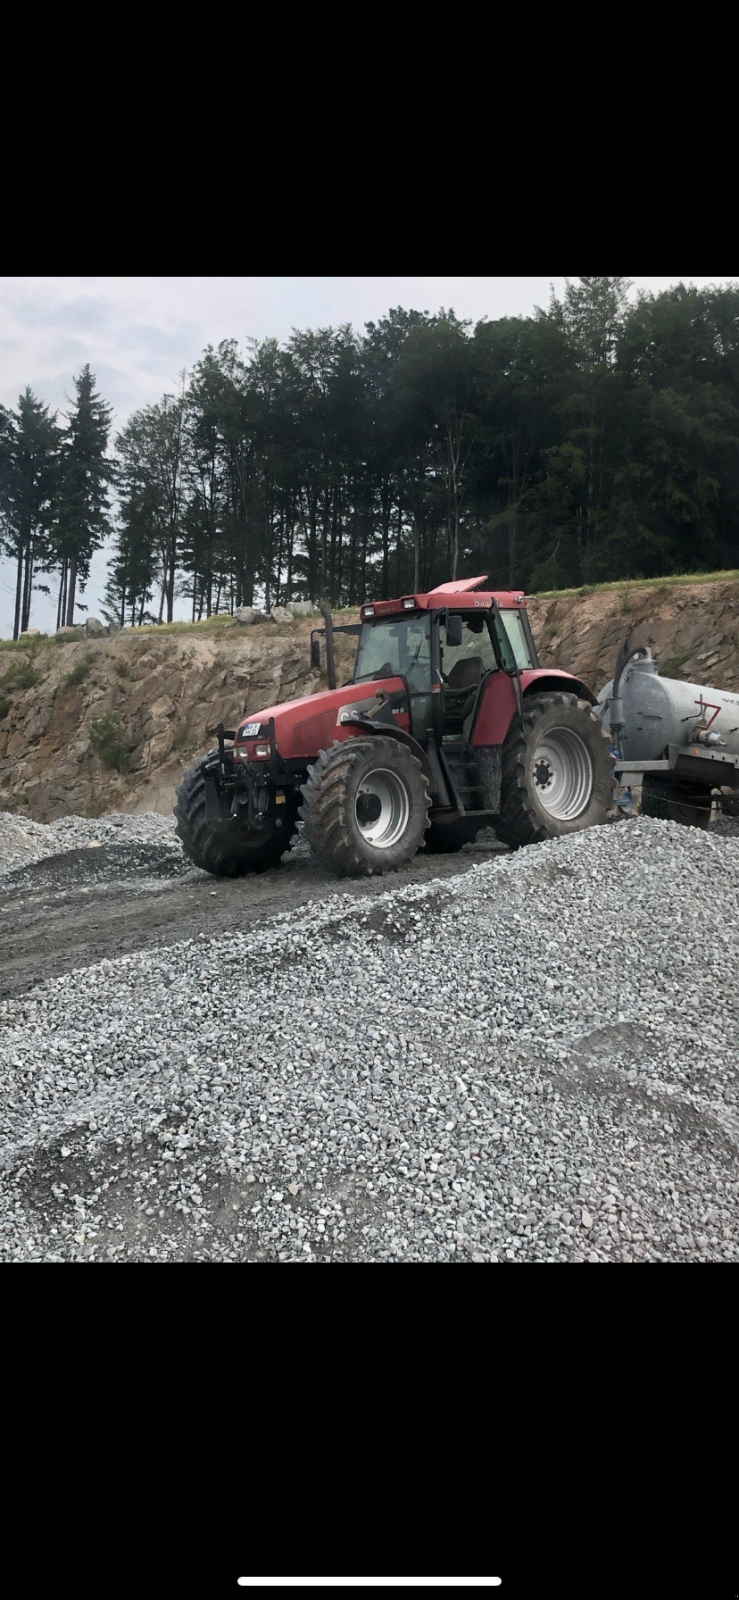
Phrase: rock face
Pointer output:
(693, 629)
(171, 690)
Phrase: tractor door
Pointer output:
(463, 670)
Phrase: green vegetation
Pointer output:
(94, 808)
(107, 737)
(17, 646)
(671, 667)
(82, 668)
(729, 575)
(4, 707)
(54, 494)
(21, 674)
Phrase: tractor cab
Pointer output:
(445, 655)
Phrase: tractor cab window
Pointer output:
(396, 647)
(512, 633)
(462, 666)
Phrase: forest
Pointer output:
(596, 439)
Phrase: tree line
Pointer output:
(596, 439)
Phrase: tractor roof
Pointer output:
(462, 594)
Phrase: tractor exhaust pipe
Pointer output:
(330, 663)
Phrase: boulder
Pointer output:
(281, 614)
(248, 614)
(31, 633)
(114, 627)
(68, 632)
(302, 608)
(94, 626)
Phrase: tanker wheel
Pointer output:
(365, 806)
(443, 838)
(224, 848)
(676, 802)
(557, 771)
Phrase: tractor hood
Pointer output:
(312, 723)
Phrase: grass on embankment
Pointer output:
(618, 585)
(225, 621)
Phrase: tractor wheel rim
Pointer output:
(563, 774)
(388, 826)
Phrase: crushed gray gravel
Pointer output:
(23, 841)
(531, 1060)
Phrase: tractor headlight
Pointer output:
(261, 751)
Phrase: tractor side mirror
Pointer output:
(454, 631)
(315, 653)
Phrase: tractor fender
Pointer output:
(497, 703)
(388, 730)
(540, 681)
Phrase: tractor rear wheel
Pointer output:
(557, 771)
(676, 802)
(225, 848)
(365, 806)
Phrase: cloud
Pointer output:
(89, 314)
(168, 344)
(70, 351)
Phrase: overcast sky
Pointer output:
(138, 333)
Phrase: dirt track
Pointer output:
(68, 911)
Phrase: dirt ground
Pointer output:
(69, 911)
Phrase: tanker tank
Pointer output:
(657, 712)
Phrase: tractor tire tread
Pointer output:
(518, 823)
(326, 809)
(215, 848)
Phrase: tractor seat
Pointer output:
(465, 674)
(460, 691)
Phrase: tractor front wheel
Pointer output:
(557, 771)
(225, 848)
(365, 806)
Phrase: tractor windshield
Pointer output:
(396, 647)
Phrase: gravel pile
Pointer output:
(23, 841)
(535, 1061)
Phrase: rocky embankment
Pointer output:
(167, 691)
(692, 628)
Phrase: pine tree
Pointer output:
(82, 510)
(29, 465)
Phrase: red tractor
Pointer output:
(448, 725)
